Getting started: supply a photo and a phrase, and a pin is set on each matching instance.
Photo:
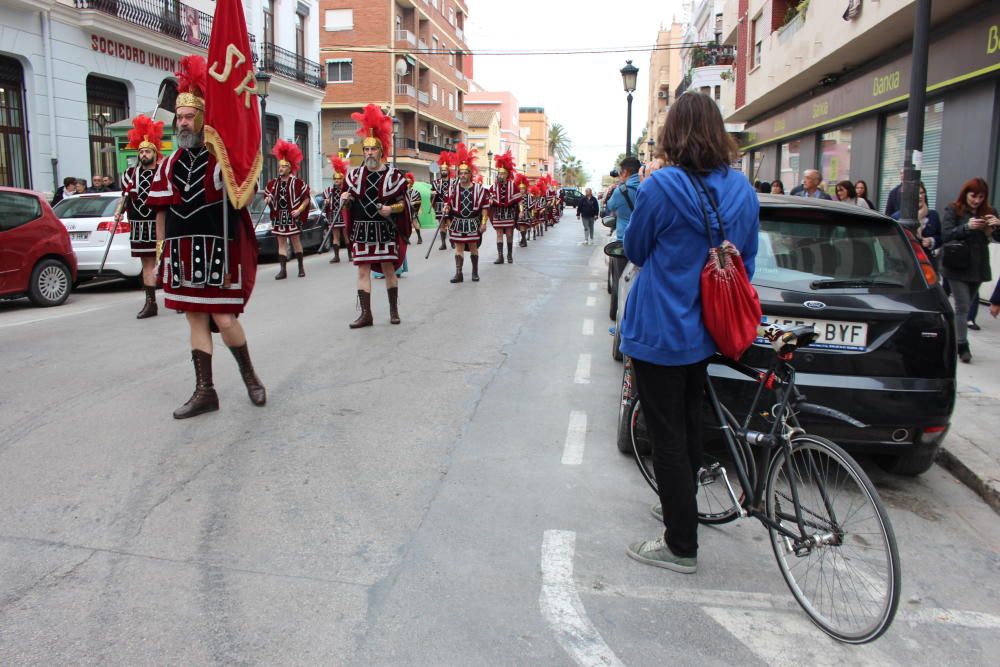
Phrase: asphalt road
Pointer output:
(443, 492)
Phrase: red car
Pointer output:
(36, 257)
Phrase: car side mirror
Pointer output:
(615, 249)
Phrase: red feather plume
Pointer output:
(446, 159)
(193, 75)
(410, 177)
(519, 180)
(505, 161)
(467, 156)
(375, 123)
(339, 164)
(289, 152)
(143, 129)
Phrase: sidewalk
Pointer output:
(971, 450)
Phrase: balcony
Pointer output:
(175, 19)
(459, 115)
(422, 46)
(406, 36)
(704, 56)
(460, 34)
(423, 98)
(459, 75)
(290, 65)
(406, 89)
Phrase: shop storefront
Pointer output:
(857, 128)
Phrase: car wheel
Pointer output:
(625, 406)
(613, 311)
(50, 284)
(616, 343)
(611, 280)
(909, 465)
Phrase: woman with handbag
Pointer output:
(967, 226)
(692, 205)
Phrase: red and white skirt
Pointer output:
(465, 230)
(142, 238)
(194, 277)
(286, 229)
(503, 224)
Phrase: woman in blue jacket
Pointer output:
(662, 330)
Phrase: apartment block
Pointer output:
(505, 104)
(535, 130)
(666, 73)
(825, 85)
(407, 56)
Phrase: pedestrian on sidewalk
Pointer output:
(587, 210)
(662, 329)
(971, 221)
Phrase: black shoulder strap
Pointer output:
(698, 183)
(624, 190)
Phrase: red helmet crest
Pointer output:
(375, 127)
(505, 162)
(466, 157)
(288, 152)
(146, 133)
(192, 79)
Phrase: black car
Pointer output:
(313, 230)
(886, 354)
(571, 196)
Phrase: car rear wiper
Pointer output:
(852, 282)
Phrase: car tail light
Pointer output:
(931, 434)
(926, 267)
(108, 225)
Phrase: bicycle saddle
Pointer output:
(785, 339)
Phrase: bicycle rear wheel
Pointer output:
(715, 505)
(846, 573)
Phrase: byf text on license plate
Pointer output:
(832, 335)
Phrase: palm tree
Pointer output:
(559, 143)
(572, 171)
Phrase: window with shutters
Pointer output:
(338, 19)
(302, 141)
(894, 148)
(107, 103)
(270, 130)
(339, 71)
(13, 127)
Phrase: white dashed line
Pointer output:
(576, 438)
(561, 606)
(593, 286)
(588, 327)
(582, 375)
(591, 301)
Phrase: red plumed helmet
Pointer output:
(410, 177)
(505, 162)
(465, 156)
(192, 79)
(376, 127)
(521, 179)
(446, 159)
(288, 152)
(339, 164)
(146, 133)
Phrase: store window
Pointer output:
(13, 133)
(107, 103)
(302, 141)
(790, 172)
(893, 153)
(835, 150)
(271, 130)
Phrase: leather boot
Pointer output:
(336, 254)
(444, 245)
(150, 309)
(255, 390)
(499, 253)
(459, 261)
(510, 250)
(365, 319)
(524, 241)
(282, 274)
(475, 268)
(204, 399)
(393, 305)
(302, 269)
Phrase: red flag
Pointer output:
(232, 117)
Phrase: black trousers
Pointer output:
(671, 398)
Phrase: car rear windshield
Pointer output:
(811, 250)
(85, 207)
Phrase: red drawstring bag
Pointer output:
(730, 307)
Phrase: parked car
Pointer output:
(312, 232)
(90, 220)
(886, 354)
(36, 256)
(571, 196)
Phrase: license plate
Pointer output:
(832, 335)
(79, 236)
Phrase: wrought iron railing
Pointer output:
(712, 55)
(173, 19)
(431, 148)
(292, 66)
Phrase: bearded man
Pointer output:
(440, 187)
(145, 137)
(467, 208)
(504, 202)
(333, 204)
(210, 267)
(378, 221)
(287, 197)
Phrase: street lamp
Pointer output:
(629, 74)
(395, 140)
(489, 166)
(649, 145)
(263, 83)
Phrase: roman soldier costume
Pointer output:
(415, 202)
(288, 198)
(505, 199)
(333, 207)
(539, 208)
(467, 206)
(210, 266)
(440, 187)
(146, 137)
(524, 208)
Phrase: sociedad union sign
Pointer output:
(133, 54)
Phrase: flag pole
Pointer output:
(226, 278)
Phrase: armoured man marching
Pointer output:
(288, 198)
(467, 208)
(440, 187)
(504, 201)
(332, 208)
(378, 221)
(146, 137)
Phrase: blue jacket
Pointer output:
(619, 206)
(662, 319)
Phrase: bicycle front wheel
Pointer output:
(844, 571)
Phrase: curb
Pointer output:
(987, 489)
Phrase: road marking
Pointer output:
(561, 606)
(593, 286)
(576, 438)
(591, 301)
(70, 313)
(588, 327)
(582, 375)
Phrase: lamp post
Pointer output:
(489, 167)
(649, 146)
(263, 83)
(629, 74)
(395, 140)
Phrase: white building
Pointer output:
(69, 68)
(709, 65)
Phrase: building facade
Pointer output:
(407, 56)
(828, 89)
(69, 69)
(505, 104)
(535, 130)
(665, 75)
(484, 136)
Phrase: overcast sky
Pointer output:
(582, 92)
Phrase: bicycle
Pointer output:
(828, 528)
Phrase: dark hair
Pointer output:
(847, 185)
(979, 187)
(779, 184)
(694, 136)
(68, 181)
(630, 164)
(764, 187)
